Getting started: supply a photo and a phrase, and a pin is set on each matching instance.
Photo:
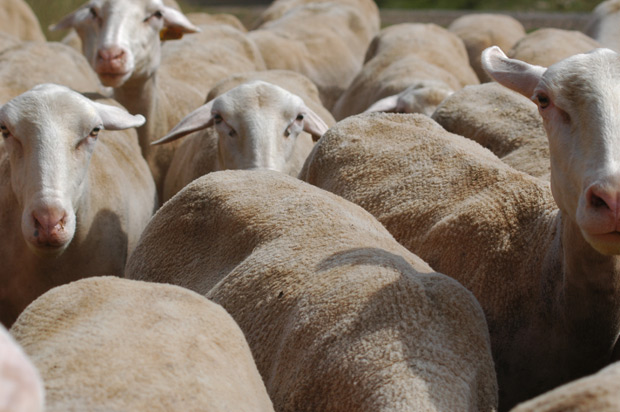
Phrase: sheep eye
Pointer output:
(543, 100)
(158, 15)
(95, 132)
(217, 118)
(5, 132)
(300, 117)
(93, 13)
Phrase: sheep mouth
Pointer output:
(605, 243)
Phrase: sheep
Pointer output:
(409, 67)
(75, 194)
(21, 387)
(279, 8)
(122, 42)
(599, 392)
(7, 41)
(540, 258)
(262, 111)
(603, 24)
(297, 41)
(481, 30)
(113, 344)
(503, 121)
(18, 19)
(338, 315)
(21, 69)
(546, 46)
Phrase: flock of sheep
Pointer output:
(316, 213)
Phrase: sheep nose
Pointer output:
(111, 53)
(49, 226)
(603, 200)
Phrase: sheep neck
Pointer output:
(590, 292)
(141, 96)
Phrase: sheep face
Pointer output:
(257, 125)
(50, 133)
(579, 101)
(121, 38)
(263, 137)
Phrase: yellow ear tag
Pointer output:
(170, 34)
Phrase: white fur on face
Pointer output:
(120, 38)
(49, 140)
(258, 126)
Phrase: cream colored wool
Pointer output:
(197, 154)
(546, 46)
(603, 25)
(595, 393)
(18, 19)
(403, 55)
(338, 315)
(481, 30)
(112, 344)
(494, 229)
(21, 387)
(503, 121)
(324, 40)
(21, 69)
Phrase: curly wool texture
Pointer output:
(469, 215)
(503, 121)
(108, 343)
(338, 315)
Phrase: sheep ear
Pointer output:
(387, 104)
(115, 118)
(70, 20)
(199, 119)
(313, 124)
(175, 25)
(514, 74)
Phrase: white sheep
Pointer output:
(409, 67)
(338, 315)
(21, 69)
(599, 392)
(122, 42)
(503, 121)
(112, 344)
(75, 193)
(297, 40)
(481, 30)
(545, 272)
(21, 387)
(604, 24)
(548, 45)
(18, 19)
(248, 123)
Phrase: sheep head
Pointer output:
(579, 101)
(50, 133)
(121, 39)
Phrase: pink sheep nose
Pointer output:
(603, 201)
(50, 227)
(111, 53)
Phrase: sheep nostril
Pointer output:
(597, 202)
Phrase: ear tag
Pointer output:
(170, 34)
